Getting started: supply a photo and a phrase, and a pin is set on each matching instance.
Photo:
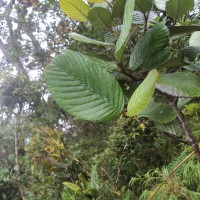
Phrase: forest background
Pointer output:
(45, 153)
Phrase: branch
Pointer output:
(190, 138)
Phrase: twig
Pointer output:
(190, 137)
(170, 175)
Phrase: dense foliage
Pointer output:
(99, 99)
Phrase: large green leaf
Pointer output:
(160, 113)
(143, 94)
(84, 39)
(75, 9)
(195, 39)
(178, 8)
(118, 8)
(100, 18)
(126, 27)
(83, 87)
(143, 6)
(152, 43)
(180, 84)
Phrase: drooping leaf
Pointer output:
(173, 128)
(180, 84)
(178, 8)
(154, 41)
(84, 39)
(75, 9)
(126, 27)
(190, 52)
(183, 29)
(118, 8)
(100, 18)
(96, 1)
(83, 87)
(160, 4)
(195, 39)
(160, 113)
(143, 6)
(143, 94)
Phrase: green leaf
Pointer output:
(178, 8)
(190, 52)
(83, 87)
(156, 61)
(75, 9)
(143, 94)
(118, 8)
(180, 84)
(84, 39)
(195, 39)
(154, 41)
(126, 27)
(100, 18)
(183, 29)
(173, 128)
(72, 186)
(143, 6)
(160, 113)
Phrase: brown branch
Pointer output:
(190, 138)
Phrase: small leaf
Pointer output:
(195, 39)
(178, 8)
(118, 8)
(143, 94)
(143, 6)
(100, 18)
(75, 9)
(160, 113)
(126, 27)
(83, 87)
(72, 186)
(180, 84)
(84, 39)
(190, 52)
